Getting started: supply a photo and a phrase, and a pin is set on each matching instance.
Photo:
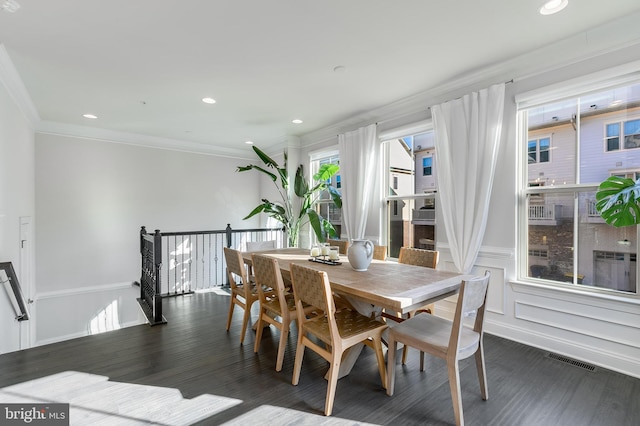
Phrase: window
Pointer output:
(564, 239)
(538, 150)
(427, 163)
(410, 215)
(325, 206)
(630, 135)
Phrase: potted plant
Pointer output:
(284, 210)
(617, 201)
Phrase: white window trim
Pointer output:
(614, 77)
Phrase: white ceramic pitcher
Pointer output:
(360, 254)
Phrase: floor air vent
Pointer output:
(573, 362)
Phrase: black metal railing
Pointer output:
(194, 260)
(8, 277)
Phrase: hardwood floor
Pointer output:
(194, 354)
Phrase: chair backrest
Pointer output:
(343, 245)
(261, 245)
(418, 257)
(471, 298)
(235, 268)
(266, 271)
(380, 252)
(312, 287)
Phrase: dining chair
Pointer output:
(274, 305)
(449, 340)
(261, 245)
(380, 252)
(416, 257)
(243, 292)
(339, 331)
(420, 257)
(343, 245)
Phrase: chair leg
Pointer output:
(421, 361)
(482, 372)
(246, 319)
(284, 333)
(334, 370)
(297, 366)
(230, 316)
(391, 365)
(405, 350)
(256, 345)
(456, 394)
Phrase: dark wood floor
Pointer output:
(194, 353)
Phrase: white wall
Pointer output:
(91, 199)
(16, 201)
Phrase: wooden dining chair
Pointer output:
(420, 257)
(243, 292)
(339, 331)
(343, 245)
(380, 252)
(449, 340)
(261, 245)
(416, 257)
(275, 304)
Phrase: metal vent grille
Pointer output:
(573, 362)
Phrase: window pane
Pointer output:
(609, 134)
(606, 254)
(550, 231)
(613, 144)
(552, 126)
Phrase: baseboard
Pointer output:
(81, 334)
(597, 356)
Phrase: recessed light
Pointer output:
(90, 116)
(296, 121)
(208, 100)
(249, 142)
(553, 6)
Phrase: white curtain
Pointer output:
(467, 138)
(359, 151)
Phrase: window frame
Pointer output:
(622, 76)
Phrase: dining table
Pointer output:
(393, 286)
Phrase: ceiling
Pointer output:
(143, 66)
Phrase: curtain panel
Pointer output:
(359, 153)
(467, 138)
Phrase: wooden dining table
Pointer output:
(393, 286)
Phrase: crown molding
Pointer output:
(136, 139)
(11, 80)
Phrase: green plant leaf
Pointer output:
(254, 212)
(265, 158)
(258, 168)
(326, 172)
(617, 201)
(316, 224)
(335, 196)
(300, 187)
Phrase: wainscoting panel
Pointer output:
(581, 323)
(67, 314)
